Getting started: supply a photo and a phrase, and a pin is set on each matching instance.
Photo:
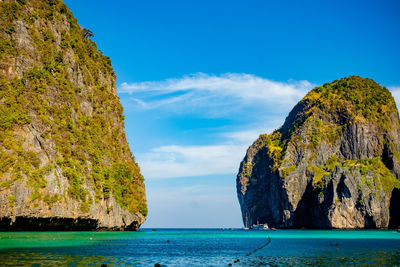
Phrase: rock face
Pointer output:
(64, 159)
(333, 164)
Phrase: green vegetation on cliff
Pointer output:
(81, 115)
(356, 99)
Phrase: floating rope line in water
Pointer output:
(248, 254)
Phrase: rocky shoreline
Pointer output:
(21, 223)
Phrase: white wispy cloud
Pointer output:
(200, 90)
(184, 161)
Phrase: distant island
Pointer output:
(335, 162)
(65, 163)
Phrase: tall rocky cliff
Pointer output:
(333, 164)
(64, 159)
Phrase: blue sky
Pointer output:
(200, 80)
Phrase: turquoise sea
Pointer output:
(201, 247)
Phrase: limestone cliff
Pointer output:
(64, 159)
(333, 164)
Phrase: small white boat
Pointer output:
(260, 226)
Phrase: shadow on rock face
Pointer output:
(394, 209)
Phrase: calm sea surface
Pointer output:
(201, 247)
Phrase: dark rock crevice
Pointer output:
(394, 209)
(387, 157)
(304, 213)
(342, 190)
